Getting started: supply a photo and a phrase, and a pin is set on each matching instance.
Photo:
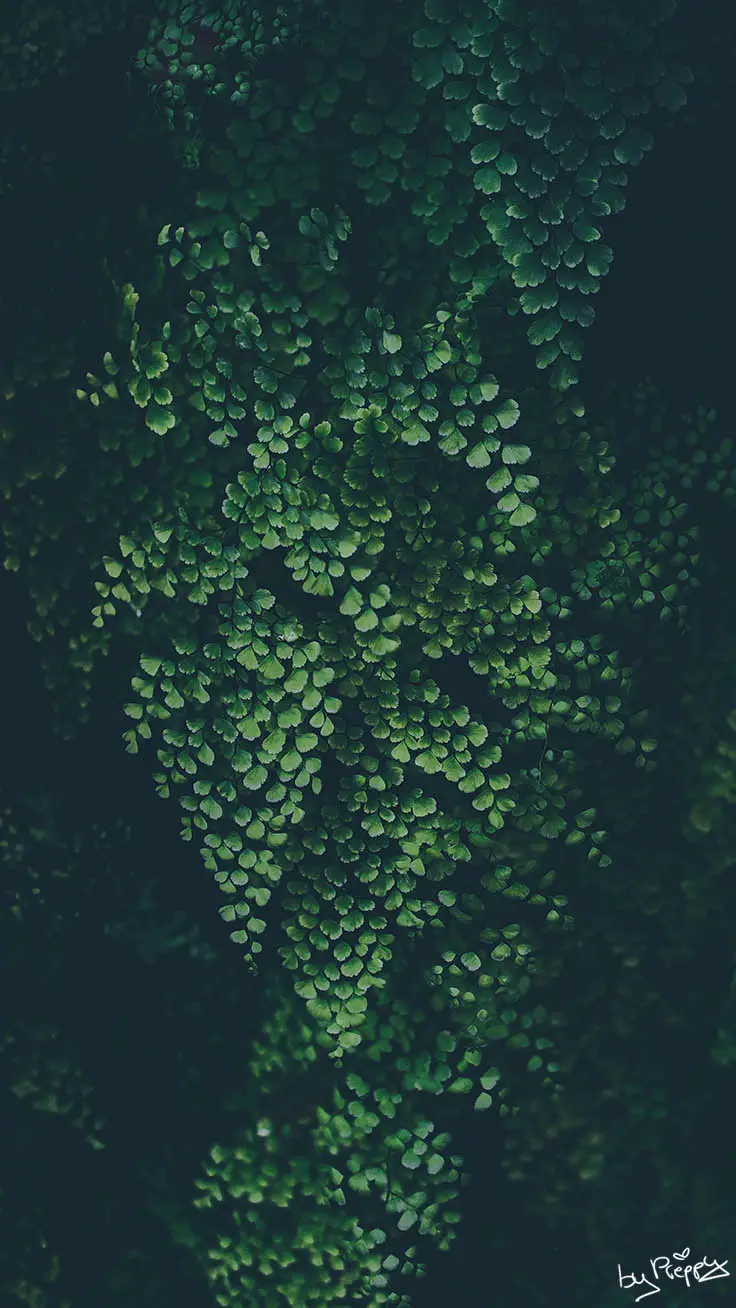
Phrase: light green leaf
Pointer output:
(499, 480)
(211, 807)
(255, 778)
(460, 1086)
(349, 1039)
(523, 515)
(321, 520)
(516, 453)
(352, 602)
(524, 482)
(478, 457)
(488, 388)
(271, 668)
(274, 743)
(320, 1009)
(507, 414)
(415, 434)
(471, 961)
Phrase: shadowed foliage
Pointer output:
(426, 633)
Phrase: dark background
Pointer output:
(665, 310)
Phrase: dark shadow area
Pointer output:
(665, 307)
(165, 1041)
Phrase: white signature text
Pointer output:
(708, 1269)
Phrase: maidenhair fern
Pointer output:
(377, 563)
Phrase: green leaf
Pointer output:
(411, 1160)
(211, 807)
(499, 480)
(353, 967)
(471, 961)
(482, 1102)
(255, 778)
(349, 1039)
(525, 481)
(487, 180)
(366, 621)
(461, 1085)
(321, 520)
(478, 457)
(320, 1009)
(415, 434)
(582, 232)
(506, 163)
(516, 453)
(274, 743)
(490, 115)
(488, 388)
(159, 420)
(271, 668)
(352, 602)
(391, 342)
(523, 515)
(598, 260)
(408, 1219)
(507, 414)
